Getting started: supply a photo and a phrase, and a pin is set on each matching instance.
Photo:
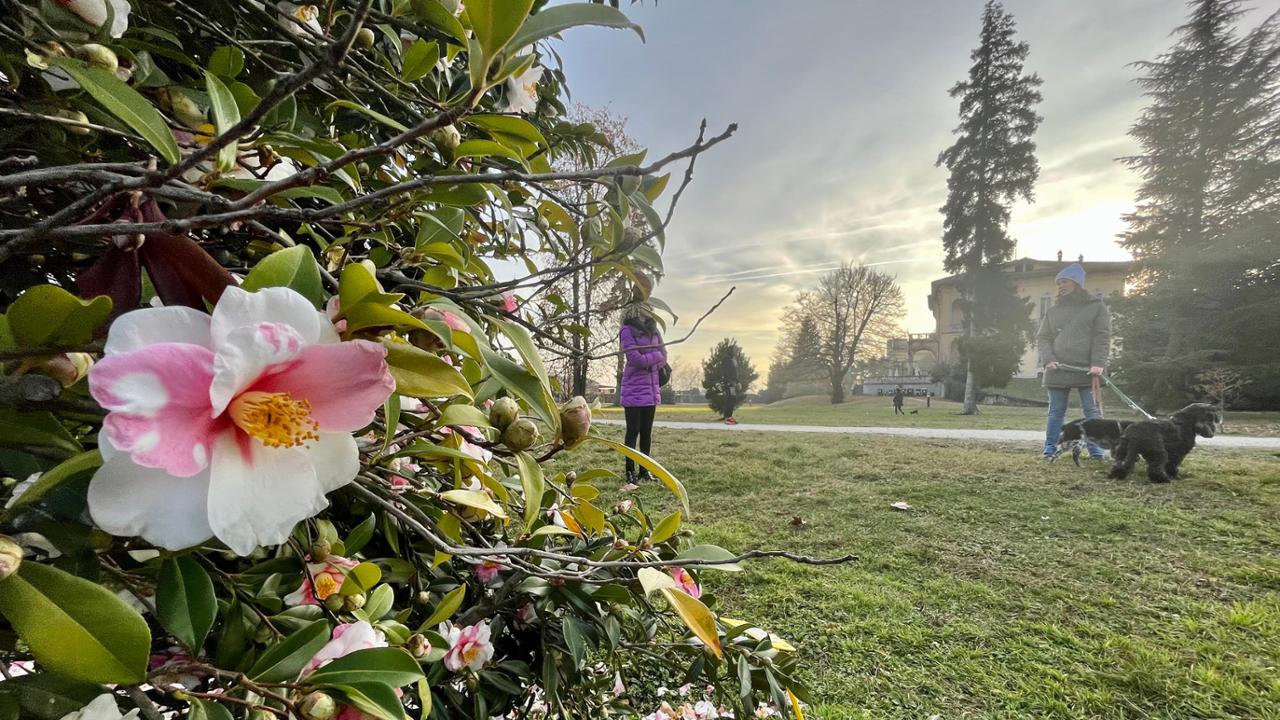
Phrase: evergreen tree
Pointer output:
(1206, 228)
(726, 376)
(992, 163)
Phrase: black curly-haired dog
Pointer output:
(1079, 433)
(1164, 443)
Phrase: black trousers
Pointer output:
(639, 427)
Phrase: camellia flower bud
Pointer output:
(504, 412)
(365, 38)
(418, 645)
(446, 138)
(10, 557)
(575, 421)
(79, 117)
(319, 551)
(354, 602)
(318, 706)
(424, 597)
(185, 109)
(334, 602)
(521, 435)
(67, 368)
(99, 56)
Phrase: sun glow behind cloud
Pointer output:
(843, 109)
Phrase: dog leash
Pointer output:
(1104, 379)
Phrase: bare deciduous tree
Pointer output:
(855, 310)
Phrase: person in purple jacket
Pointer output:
(641, 391)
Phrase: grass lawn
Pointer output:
(1012, 590)
(878, 412)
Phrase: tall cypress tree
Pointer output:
(1206, 226)
(992, 163)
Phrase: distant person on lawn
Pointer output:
(897, 401)
(730, 389)
(641, 392)
(1076, 331)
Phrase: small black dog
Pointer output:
(1099, 431)
(1164, 443)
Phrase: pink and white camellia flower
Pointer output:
(685, 581)
(328, 575)
(488, 570)
(346, 639)
(95, 13)
(469, 647)
(233, 426)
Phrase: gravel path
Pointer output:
(1027, 436)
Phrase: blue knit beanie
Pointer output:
(1074, 271)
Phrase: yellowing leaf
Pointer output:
(652, 466)
(666, 528)
(421, 374)
(591, 516)
(652, 579)
(449, 605)
(696, 616)
(795, 705)
(757, 634)
(475, 499)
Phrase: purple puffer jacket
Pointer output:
(645, 354)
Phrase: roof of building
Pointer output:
(1030, 267)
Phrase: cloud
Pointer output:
(843, 109)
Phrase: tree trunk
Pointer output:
(619, 365)
(837, 389)
(970, 393)
(578, 363)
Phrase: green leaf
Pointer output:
(50, 696)
(185, 601)
(421, 374)
(534, 485)
(419, 59)
(449, 605)
(391, 414)
(294, 268)
(487, 148)
(459, 414)
(227, 61)
(554, 530)
(361, 578)
(495, 22)
(372, 313)
(375, 699)
(361, 534)
(283, 661)
(208, 710)
(390, 122)
(696, 617)
(389, 666)
(510, 126)
(652, 466)
(66, 470)
(712, 553)
(49, 315)
(125, 103)
(574, 639)
(435, 15)
(379, 603)
(666, 528)
(226, 113)
(524, 385)
(40, 429)
(552, 20)
(74, 626)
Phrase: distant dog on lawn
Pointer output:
(1164, 443)
(1099, 431)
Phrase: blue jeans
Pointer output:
(1059, 399)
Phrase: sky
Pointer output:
(842, 109)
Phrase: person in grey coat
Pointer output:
(1076, 331)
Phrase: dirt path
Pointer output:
(1027, 436)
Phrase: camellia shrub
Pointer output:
(274, 423)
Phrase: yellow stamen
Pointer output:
(325, 586)
(274, 418)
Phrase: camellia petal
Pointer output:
(345, 384)
(158, 405)
(257, 494)
(246, 354)
(148, 326)
(238, 308)
(127, 499)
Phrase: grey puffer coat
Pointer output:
(1075, 331)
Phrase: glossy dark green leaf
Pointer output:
(294, 268)
(552, 20)
(384, 666)
(125, 103)
(185, 601)
(283, 661)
